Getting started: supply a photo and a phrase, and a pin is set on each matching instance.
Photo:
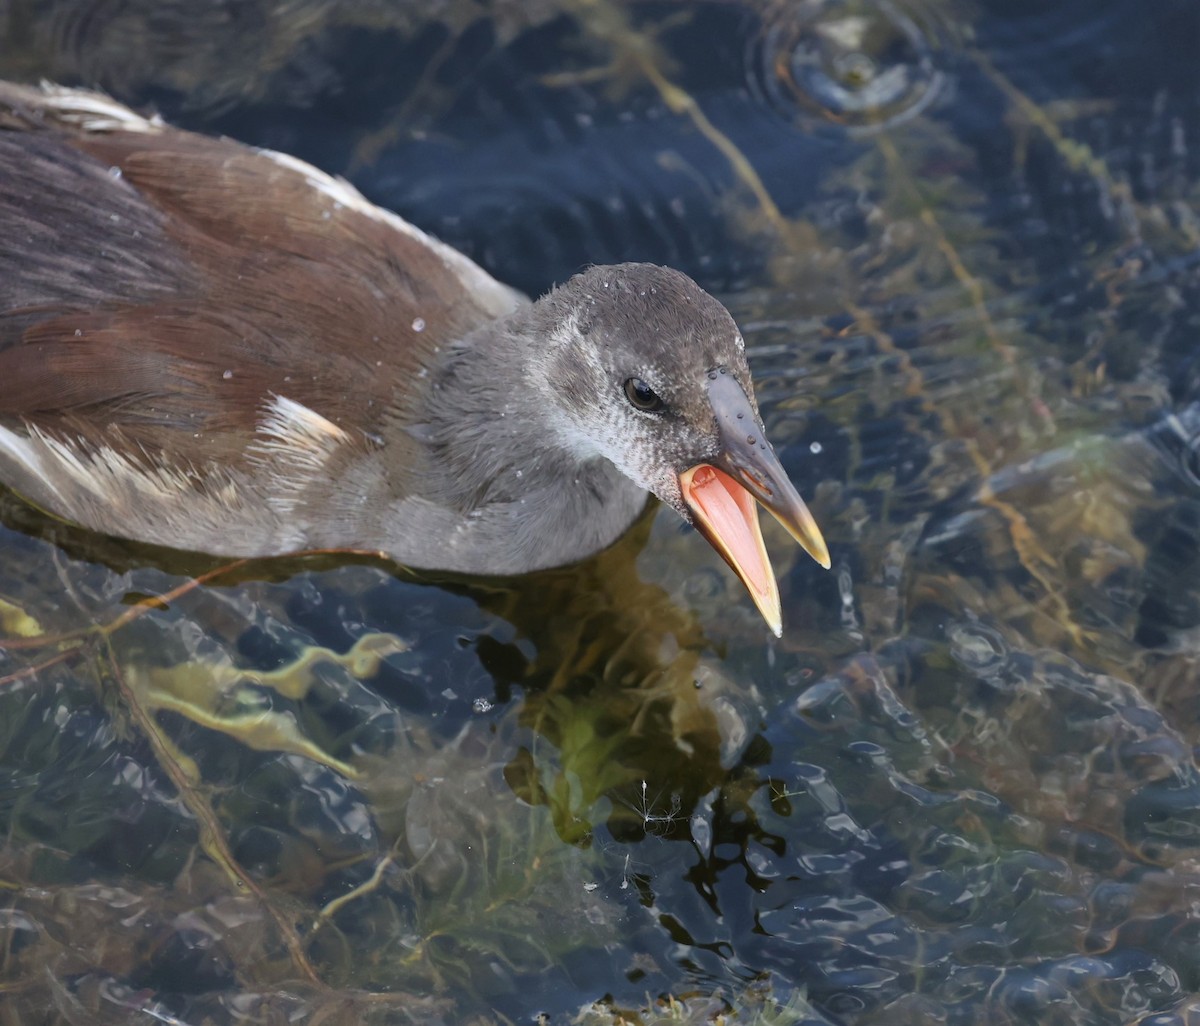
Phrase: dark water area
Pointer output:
(962, 240)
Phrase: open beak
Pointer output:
(721, 497)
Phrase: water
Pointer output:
(961, 240)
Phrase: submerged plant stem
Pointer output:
(184, 776)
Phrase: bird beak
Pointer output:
(721, 496)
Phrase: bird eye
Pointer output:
(642, 396)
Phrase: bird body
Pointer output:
(223, 349)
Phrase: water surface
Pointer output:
(962, 241)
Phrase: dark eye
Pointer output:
(642, 396)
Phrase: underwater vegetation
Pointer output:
(962, 242)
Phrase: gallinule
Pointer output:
(223, 349)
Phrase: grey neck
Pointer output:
(500, 489)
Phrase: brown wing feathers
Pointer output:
(178, 282)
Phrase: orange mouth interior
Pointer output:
(727, 515)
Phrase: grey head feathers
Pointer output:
(612, 325)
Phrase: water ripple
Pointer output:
(865, 67)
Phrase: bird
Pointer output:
(223, 349)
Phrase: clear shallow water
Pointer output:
(961, 240)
